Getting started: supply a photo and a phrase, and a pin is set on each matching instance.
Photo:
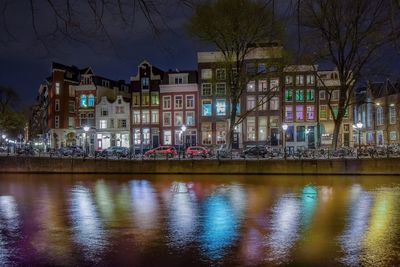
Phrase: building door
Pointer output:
(346, 139)
(235, 143)
(155, 141)
(274, 137)
(311, 137)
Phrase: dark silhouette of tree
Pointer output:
(235, 27)
(347, 35)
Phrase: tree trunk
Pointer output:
(336, 132)
(232, 121)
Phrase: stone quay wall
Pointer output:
(223, 167)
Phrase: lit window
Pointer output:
(301, 133)
(167, 138)
(154, 116)
(145, 99)
(379, 116)
(71, 122)
(274, 84)
(262, 128)
(288, 95)
(251, 102)
(91, 101)
(288, 80)
(262, 68)
(310, 94)
(119, 110)
(251, 128)
(289, 113)
(335, 110)
(167, 119)
(262, 85)
(310, 79)
(145, 83)
(323, 112)
(83, 101)
(262, 102)
(310, 113)
(206, 109)
(274, 103)
(221, 107)
(251, 86)
(145, 116)
(220, 128)
(206, 133)
(155, 99)
(136, 117)
(392, 115)
(178, 118)
(190, 118)
(299, 80)
(206, 74)
(57, 88)
(136, 99)
(299, 95)
(299, 112)
(103, 124)
(393, 136)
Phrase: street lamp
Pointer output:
(284, 128)
(86, 129)
(359, 125)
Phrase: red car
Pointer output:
(197, 151)
(161, 151)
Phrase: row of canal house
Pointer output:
(152, 109)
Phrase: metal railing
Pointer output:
(391, 151)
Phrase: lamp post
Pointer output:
(86, 129)
(183, 129)
(284, 128)
(359, 125)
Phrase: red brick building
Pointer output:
(179, 107)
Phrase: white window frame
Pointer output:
(165, 98)
(193, 101)
(202, 89)
(193, 116)
(170, 118)
(175, 103)
(175, 118)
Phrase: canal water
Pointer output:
(109, 220)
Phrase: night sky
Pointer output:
(25, 62)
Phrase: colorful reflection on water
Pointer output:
(202, 221)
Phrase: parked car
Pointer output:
(197, 151)
(161, 151)
(115, 151)
(76, 151)
(256, 151)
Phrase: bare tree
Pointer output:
(234, 27)
(53, 21)
(347, 35)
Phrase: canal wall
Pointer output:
(255, 167)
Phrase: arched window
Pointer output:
(91, 100)
(83, 101)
